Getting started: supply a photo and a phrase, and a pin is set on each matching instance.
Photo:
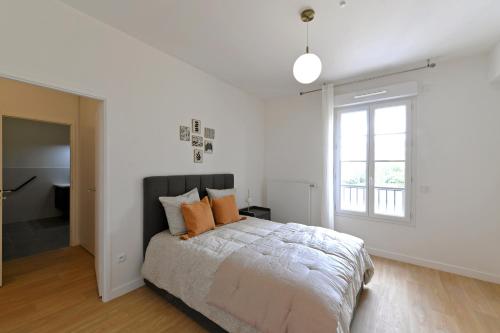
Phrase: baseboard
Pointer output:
(436, 265)
(139, 282)
(125, 288)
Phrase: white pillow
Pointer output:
(215, 194)
(172, 206)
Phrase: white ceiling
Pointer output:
(252, 44)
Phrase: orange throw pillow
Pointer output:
(198, 217)
(225, 210)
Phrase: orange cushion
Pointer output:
(198, 217)
(225, 210)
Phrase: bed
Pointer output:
(184, 271)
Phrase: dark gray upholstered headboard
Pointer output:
(154, 219)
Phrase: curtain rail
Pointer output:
(428, 66)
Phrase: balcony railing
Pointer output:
(353, 198)
(388, 200)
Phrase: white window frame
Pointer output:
(369, 214)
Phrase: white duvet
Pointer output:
(187, 270)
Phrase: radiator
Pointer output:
(290, 201)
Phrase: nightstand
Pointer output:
(256, 211)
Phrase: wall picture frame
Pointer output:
(209, 133)
(197, 141)
(198, 155)
(196, 126)
(184, 133)
(209, 147)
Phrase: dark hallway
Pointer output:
(36, 214)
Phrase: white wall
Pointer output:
(294, 146)
(148, 95)
(457, 140)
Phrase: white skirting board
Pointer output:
(137, 283)
(459, 270)
(290, 201)
(125, 288)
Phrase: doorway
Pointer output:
(36, 174)
(75, 198)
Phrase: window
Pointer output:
(373, 160)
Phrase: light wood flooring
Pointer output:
(56, 292)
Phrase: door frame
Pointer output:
(103, 240)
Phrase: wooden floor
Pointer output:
(56, 292)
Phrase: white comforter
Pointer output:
(186, 269)
(296, 279)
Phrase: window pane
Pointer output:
(353, 198)
(389, 201)
(390, 147)
(390, 120)
(390, 174)
(353, 123)
(353, 173)
(353, 148)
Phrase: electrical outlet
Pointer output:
(122, 257)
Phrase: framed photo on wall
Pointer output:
(209, 133)
(196, 126)
(198, 155)
(209, 147)
(184, 133)
(197, 141)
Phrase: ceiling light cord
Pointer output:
(307, 38)
(307, 67)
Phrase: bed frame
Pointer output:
(155, 221)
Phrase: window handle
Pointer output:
(370, 181)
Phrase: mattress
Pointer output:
(186, 268)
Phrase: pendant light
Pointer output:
(307, 67)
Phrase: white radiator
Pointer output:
(290, 201)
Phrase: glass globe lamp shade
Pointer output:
(307, 68)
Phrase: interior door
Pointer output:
(97, 196)
(92, 194)
(91, 190)
(89, 158)
(87, 184)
